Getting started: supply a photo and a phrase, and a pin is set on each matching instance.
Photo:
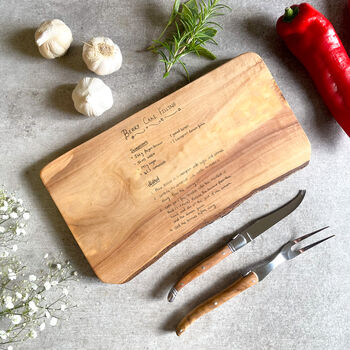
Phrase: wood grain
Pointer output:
(137, 189)
(236, 288)
(203, 266)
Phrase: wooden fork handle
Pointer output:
(236, 288)
(199, 269)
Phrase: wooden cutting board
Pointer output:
(134, 191)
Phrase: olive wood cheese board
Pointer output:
(134, 191)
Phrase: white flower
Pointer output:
(33, 334)
(4, 206)
(13, 215)
(10, 347)
(20, 209)
(14, 248)
(3, 334)
(32, 306)
(12, 276)
(75, 273)
(59, 266)
(21, 224)
(19, 295)
(26, 216)
(42, 326)
(16, 319)
(2, 229)
(54, 283)
(20, 231)
(5, 217)
(34, 286)
(53, 321)
(38, 296)
(63, 307)
(32, 278)
(26, 297)
(46, 256)
(47, 285)
(8, 302)
(47, 314)
(5, 254)
(65, 291)
(20, 201)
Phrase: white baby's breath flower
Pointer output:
(59, 266)
(2, 229)
(42, 326)
(12, 276)
(10, 347)
(13, 215)
(32, 306)
(34, 286)
(63, 307)
(32, 278)
(20, 201)
(19, 295)
(26, 216)
(53, 321)
(47, 314)
(75, 273)
(65, 291)
(47, 285)
(16, 319)
(33, 334)
(3, 334)
(14, 247)
(4, 217)
(8, 302)
(19, 231)
(20, 210)
(54, 283)
(46, 255)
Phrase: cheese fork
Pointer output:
(252, 277)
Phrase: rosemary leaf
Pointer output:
(194, 28)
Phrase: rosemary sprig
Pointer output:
(195, 27)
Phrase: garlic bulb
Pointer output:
(53, 38)
(92, 97)
(102, 56)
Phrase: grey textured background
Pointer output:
(303, 305)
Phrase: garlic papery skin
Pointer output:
(53, 38)
(92, 97)
(102, 55)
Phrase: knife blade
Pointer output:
(242, 238)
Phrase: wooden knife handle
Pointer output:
(199, 269)
(236, 288)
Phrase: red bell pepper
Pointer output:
(312, 39)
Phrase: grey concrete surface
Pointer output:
(303, 305)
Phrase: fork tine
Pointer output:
(302, 250)
(297, 240)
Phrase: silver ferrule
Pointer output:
(239, 241)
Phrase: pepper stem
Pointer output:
(290, 13)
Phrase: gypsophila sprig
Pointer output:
(195, 27)
(28, 301)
